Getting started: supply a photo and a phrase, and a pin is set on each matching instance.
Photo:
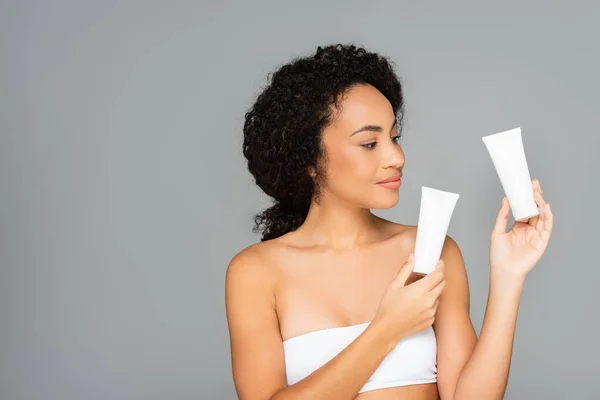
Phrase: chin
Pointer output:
(380, 202)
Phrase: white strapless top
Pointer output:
(412, 361)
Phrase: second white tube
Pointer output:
(508, 155)
(436, 211)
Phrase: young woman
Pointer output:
(326, 305)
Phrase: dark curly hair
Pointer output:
(282, 130)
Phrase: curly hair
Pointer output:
(282, 129)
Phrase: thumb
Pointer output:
(406, 270)
(501, 218)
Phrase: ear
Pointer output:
(311, 172)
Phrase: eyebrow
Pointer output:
(371, 128)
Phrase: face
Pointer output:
(362, 149)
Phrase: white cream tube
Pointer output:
(436, 211)
(508, 155)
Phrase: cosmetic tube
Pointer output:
(508, 155)
(436, 211)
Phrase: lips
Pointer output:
(392, 178)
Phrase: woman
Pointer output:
(326, 305)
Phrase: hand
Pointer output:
(407, 309)
(517, 251)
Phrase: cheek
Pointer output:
(350, 170)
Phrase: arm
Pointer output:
(513, 255)
(257, 350)
(486, 372)
(471, 368)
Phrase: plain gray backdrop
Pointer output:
(125, 193)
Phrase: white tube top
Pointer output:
(412, 361)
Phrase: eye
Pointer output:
(396, 138)
(369, 146)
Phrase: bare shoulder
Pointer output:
(406, 236)
(451, 254)
(256, 352)
(254, 264)
(250, 257)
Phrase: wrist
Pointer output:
(507, 277)
(506, 281)
(382, 333)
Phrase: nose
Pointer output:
(394, 158)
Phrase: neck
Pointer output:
(338, 225)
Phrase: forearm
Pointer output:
(344, 375)
(485, 375)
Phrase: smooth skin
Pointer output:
(345, 266)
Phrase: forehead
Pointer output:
(362, 105)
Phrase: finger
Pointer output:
(439, 289)
(501, 218)
(431, 280)
(548, 220)
(537, 187)
(539, 220)
(538, 196)
(533, 221)
(539, 223)
(406, 270)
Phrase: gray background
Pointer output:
(125, 193)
